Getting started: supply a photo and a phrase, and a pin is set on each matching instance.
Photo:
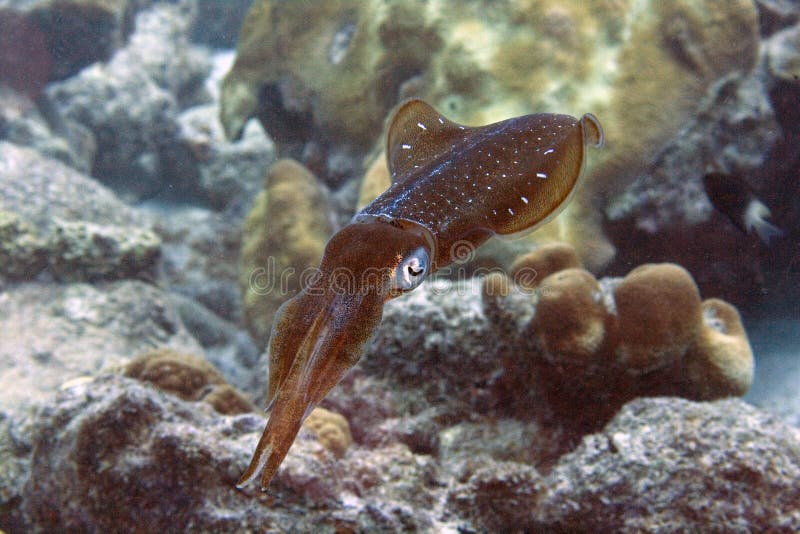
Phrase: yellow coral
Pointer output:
(571, 321)
(529, 270)
(284, 235)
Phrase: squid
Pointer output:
(452, 186)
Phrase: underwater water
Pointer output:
(508, 265)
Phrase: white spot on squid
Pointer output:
(510, 211)
(549, 150)
(541, 175)
(494, 212)
(405, 147)
(421, 125)
(525, 200)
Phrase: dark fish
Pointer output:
(735, 199)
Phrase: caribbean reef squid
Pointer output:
(451, 185)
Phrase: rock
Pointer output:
(670, 464)
(55, 333)
(217, 23)
(783, 53)
(228, 347)
(199, 248)
(82, 231)
(86, 251)
(22, 253)
(125, 455)
(42, 191)
(47, 40)
(131, 105)
(21, 123)
(231, 173)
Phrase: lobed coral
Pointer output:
(603, 343)
(283, 237)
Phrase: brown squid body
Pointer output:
(452, 185)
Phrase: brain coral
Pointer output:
(283, 236)
(330, 75)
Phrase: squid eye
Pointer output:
(411, 270)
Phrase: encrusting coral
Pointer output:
(331, 76)
(602, 343)
(283, 237)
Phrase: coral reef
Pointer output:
(283, 238)
(189, 377)
(336, 73)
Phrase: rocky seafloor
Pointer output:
(122, 207)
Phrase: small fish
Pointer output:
(735, 199)
(452, 186)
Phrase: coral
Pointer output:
(642, 67)
(530, 270)
(605, 343)
(283, 237)
(720, 360)
(658, 315)
(332, 430)
(571, 322)
(188, 377)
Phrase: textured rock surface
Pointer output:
(132, 102)
(67, 224)
(111, 453)
(54, 333)
(231, 173)
(665, 464)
